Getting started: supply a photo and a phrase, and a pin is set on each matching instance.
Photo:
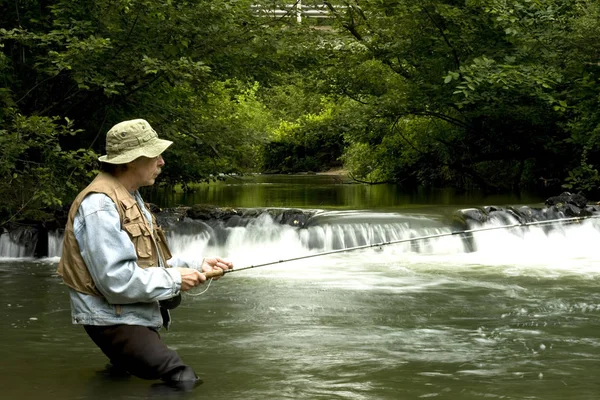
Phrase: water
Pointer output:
(518, 318)
(326, 191)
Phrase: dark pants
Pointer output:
(139, 351)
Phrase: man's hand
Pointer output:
(215, 263)
(190, 278)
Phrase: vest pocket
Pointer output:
(141, 239)
(162, 243)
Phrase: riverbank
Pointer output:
(335, 172)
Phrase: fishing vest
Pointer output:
(150, 243)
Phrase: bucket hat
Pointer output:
(131, 139)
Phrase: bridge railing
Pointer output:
(296, 10)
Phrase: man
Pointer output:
(117, 265)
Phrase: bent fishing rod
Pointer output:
(216, 273)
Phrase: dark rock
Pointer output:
(569, 205)
(291, 217)
(33, 237)
(577, 200)
(251, 212)
(153, 208)
(235, 221)
(208, 212)
(472, 214)
(489, 209)
(240, 216)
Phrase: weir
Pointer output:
(264, 236)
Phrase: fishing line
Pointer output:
(202, 292)
(216, 273)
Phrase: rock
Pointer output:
(207, 212)
(32, 236)
(576, 200)
(240, 216)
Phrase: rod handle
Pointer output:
(214, 273)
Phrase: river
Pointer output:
(517, 318)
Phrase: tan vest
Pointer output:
(150, 244)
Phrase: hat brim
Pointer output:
(156, 148)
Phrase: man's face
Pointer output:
(144, 170)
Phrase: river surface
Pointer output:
(517, 318)
(326, 191)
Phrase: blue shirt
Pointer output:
(131, 293)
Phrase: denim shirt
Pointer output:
(131, 293)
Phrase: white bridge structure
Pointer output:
(297, 10)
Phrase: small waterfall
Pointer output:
(9, 248)
(264, 238)
(22, 242)
(55, 241)
(555, 244)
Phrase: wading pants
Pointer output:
(139, 351)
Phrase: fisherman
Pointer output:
(121, 276)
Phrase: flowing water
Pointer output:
(516, 318)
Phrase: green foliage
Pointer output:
(221, 131)
(507, 75)
(364, 164)
(34, 167)
(498, 94)
(585, 177)
(403, 152)
(311, 143)
(99, 62)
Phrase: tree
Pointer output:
(80, 67)
(496, 75)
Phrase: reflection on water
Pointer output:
(324, 191)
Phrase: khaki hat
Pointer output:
(129, 140)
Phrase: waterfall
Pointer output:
(10, 248)
(265, 239)
(23, 242)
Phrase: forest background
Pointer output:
(497, 95)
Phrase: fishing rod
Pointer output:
(216, 273)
